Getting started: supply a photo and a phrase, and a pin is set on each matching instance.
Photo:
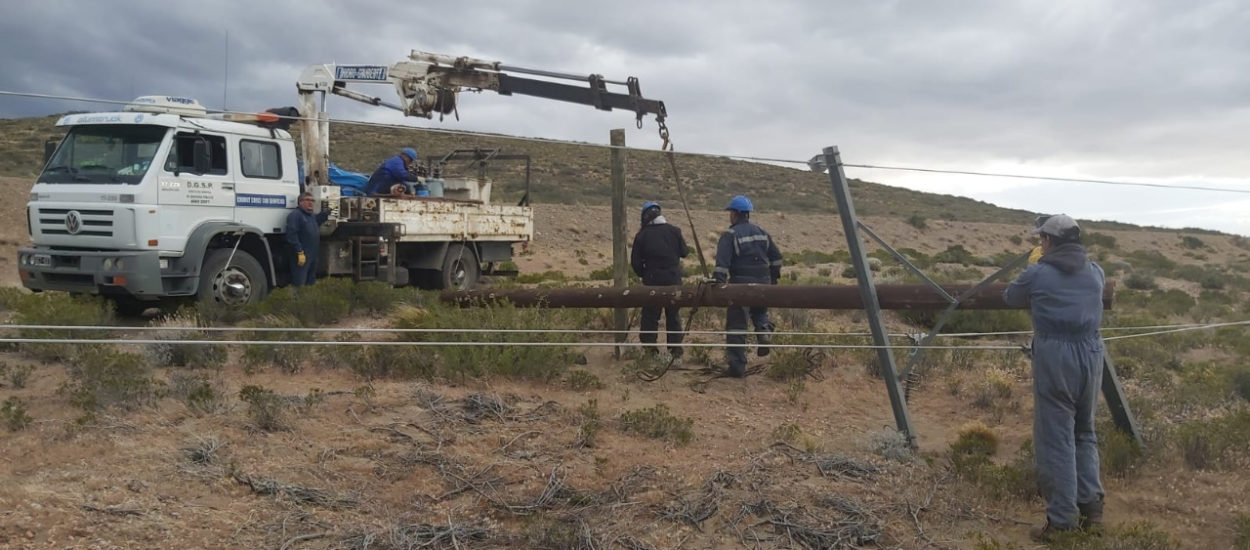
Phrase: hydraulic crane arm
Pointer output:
(428, 83)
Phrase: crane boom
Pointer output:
(428, 83)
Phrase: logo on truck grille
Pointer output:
(73, 222)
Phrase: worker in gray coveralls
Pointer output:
(1063, 291)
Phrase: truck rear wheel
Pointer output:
(460, 268)
(240, 283)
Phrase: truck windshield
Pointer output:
(104, 153)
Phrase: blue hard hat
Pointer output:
(740, 203)
(410, 153)
(649, 205)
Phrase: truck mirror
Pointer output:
(49, 147)
(199, 153)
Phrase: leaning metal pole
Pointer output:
(868, 293)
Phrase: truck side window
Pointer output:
(260, 159)
(182, 156)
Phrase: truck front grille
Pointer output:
(56, 221)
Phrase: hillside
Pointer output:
(572, 174)
(509, 446)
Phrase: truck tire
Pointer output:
(460, 268)
(242, 282)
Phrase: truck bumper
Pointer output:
(134, 273)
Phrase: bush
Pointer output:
(327, 302)
(169, 354)
(59, 308)
(658, 423)
(529, 278)
(1133, 536)
(267, 410)
(1140, 280)
(288, 358)
(379, 298)
(18, 375)
(503, 355)
(1151, 260)
(1119, 452)
(590, 421)
(198, 393)
(401, 362)
(917, 221)
(13, 414)
(1164, 303)
(813, 257)
(1192, 242)
(1215, 442)
(109, 378)
(1098, 239)
(583, 380)
(1241, 532)
(994, 387)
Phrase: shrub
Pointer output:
(1192, 242)
(658, 423)
(1016, 240)
(1241, 383)
(267, 410)
(1151, 260)
(288, 358)
(974, 441)
(583, 380)
(994, 387)
(1118, 451)
(1098, 239)
(917, 221)
(504, 355)
(169, 354)
(58, 308)
(109, 378)
(1164, 303)
(13, 414)
(379, 298)
(590, 421)
(1140, 280)
(891, 444)
(1241, 532)
(402, 362)
(17, 375)
(529, 278)
(1133, 536)
(197, 392)
(327, 302)
(813, 257)
(794, 435)
(1215, 442)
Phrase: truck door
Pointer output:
(266, 185)
(190, 196)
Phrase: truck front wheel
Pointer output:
(240, 283)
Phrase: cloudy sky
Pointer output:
(1151, 91)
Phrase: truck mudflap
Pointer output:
(137, 273)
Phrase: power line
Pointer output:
(688, 153)
(1046, 178)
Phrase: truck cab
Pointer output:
(132, 203)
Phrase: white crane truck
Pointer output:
(163, 200)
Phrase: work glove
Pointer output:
(1035, 255)
(300, 259)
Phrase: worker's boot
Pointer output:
(763, 340)
(1041, 533)
(1091, 515)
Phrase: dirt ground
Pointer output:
(387, 459)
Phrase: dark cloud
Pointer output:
(1111, 89)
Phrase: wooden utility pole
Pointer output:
(620, 261)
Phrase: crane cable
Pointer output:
(701, 289)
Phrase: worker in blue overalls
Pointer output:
(745, 254)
